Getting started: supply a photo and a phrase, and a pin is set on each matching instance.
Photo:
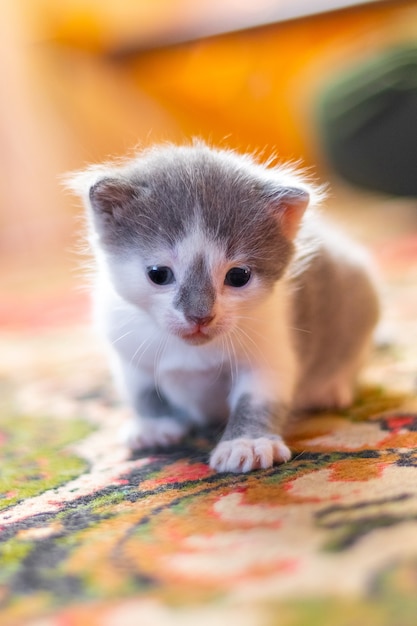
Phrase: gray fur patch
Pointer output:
(253, 420)
(334, 309)
(151, 403)
(196, 296)
(129, 214)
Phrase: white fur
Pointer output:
(150, 433)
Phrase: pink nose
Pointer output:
(200, 321)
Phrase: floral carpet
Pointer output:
(92, 535)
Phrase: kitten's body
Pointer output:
(198, 347)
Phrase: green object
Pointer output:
(368, 122)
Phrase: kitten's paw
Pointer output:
(244, 454)
(159, 432)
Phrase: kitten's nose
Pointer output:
(199, 320)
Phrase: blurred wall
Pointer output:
(75, 88)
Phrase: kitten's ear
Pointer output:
(289, 205)
(109, 197)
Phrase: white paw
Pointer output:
(159, 432)
(244, 454)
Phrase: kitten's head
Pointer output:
(196, 237)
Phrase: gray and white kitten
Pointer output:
(223, 298)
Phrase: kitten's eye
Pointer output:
(237, 277)
(161, 275)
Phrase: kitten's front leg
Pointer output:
(155, 422)
(155, 426)
(248, 442)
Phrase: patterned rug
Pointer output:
(91, 535)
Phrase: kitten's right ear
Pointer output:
(290, 207)
(110, 197)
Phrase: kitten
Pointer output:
(224, 298)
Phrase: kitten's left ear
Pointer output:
(288, 205)
(109, 197)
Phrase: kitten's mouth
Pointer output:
(196, 337)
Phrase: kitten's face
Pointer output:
(196, 237)
(194, 290)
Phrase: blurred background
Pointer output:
(332, 83)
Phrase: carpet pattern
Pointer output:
(91, 535)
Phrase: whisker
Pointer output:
(163, 343)
(235, 333)
(114, 341)
(258, 319)
(300, 330)
(234, 361)
(146, 342)
(221, 362)
(229, 358)
(253, 343)
(252, 351)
